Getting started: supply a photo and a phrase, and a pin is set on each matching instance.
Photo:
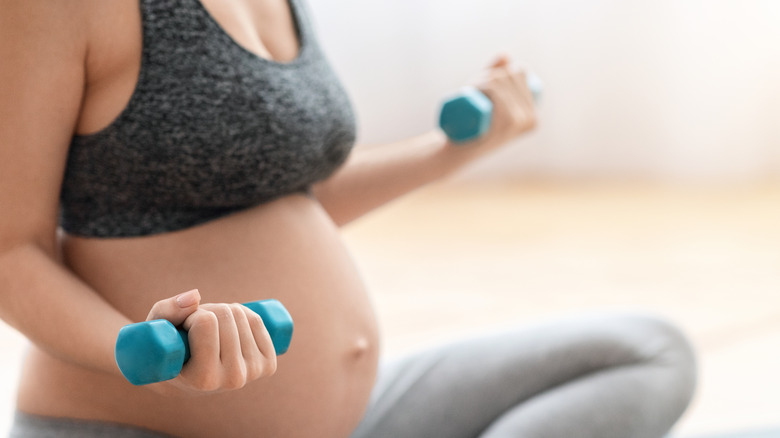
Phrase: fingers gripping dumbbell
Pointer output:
(466, 115)
(154, 351)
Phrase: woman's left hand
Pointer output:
(513, 106)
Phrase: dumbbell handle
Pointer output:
(466, 116)
(154, 351)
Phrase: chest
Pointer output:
(209, 123)
(265, 28)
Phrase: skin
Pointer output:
(70, 67)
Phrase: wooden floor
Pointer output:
(452, 259)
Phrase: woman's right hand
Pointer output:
(229, 345)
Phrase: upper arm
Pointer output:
(42, 53)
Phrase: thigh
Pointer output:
(458, 390)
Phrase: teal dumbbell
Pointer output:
(154, 351)
(466, 115)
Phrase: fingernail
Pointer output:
(187, 299)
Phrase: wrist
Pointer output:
(454, 156)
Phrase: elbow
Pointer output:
(44, 239)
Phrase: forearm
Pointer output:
(373, 176)
(56, 311)
(377, 175)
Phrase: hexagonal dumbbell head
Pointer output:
(154, 351)
(535, 85)
(466, 116)
(150, 351)
(277, 320)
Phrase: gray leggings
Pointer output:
(597, 376)
(602, 375)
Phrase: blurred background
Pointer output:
(652, 182)
(665, 90)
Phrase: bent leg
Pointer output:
(600, 376)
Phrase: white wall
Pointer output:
(665, 89)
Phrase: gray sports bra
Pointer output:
(210, 129)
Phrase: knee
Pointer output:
(665, 348)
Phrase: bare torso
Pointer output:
(287, 249)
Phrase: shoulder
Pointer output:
(58, 14)
(86, 32)
(63, 20)
(43, 25)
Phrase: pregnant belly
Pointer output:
(288, 250)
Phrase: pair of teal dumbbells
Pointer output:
(154, 351)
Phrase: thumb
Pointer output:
(176, 309)
(501, 61)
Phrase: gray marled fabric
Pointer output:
(34, 426)
(210, 129)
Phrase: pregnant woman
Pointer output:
(166, 158)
